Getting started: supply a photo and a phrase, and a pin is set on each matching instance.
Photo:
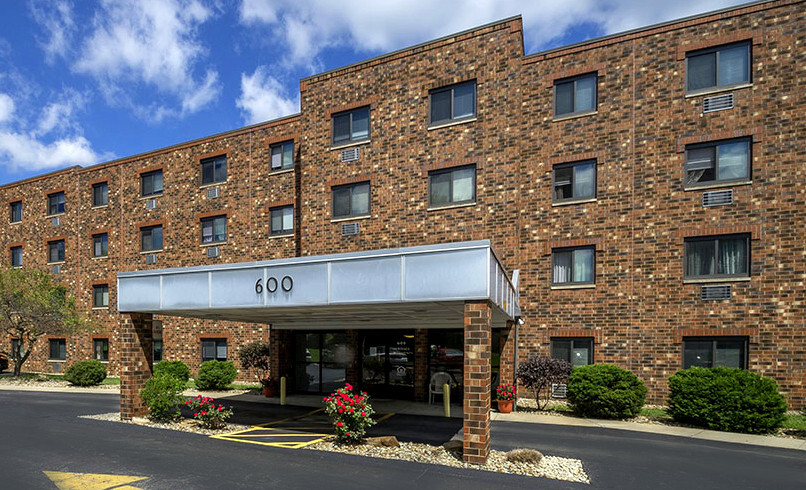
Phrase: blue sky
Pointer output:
(87, 81)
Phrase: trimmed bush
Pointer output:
(216, 375)
(162, 395)
(605, 391)
(539, 373)
(257, 356)
(86, 373)
(728, 399)
(177, 369)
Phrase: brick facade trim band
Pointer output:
(577, 157)
(210, 214)
(579, 242)
(755, 132)
(756, 36)
(448, 81)
(599, 69)
(16, 244)
(12, 200)
(281, 203)
(753, 230)
(152, 168)
(100, 336)
(598, 335)
(55, 239)
(354, 105)
(350, 180)
(100, 231)
(100, 282)
(146, 224)
(56, 191)
(223, 152)
(99, 180)
(272, 140)
(477, 161)
(752, 333)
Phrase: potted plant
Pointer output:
(505, 395)
(257, 356)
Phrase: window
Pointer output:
(100, 348)
(574, 181)
(214, 229)
(452, 186)
(100, 296)
(16, 347)
(282, 220)
(577, 351)
(100, 245)
(713, 163)
(453, 103)
(722, 256)
(151, 183)
(213, 170)
(214, 349)
(56, 251)
(58, 350)
(575, 95)
(282, 155)
(100, 194)
(351, 200)
(573, 265)
(349, 126)
(723, 66)
(16, 256)
(56, 203)
(151, 238)
(716, 351)
(16, 212)
(157, 350)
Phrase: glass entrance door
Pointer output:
(387, 362)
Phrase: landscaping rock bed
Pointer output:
(45, 382)
(184, 425)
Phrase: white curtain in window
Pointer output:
(733, 256)
(700, 258)
(463, 184)
(360, 199)
(562, 267)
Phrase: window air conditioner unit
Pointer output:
(559, 390)
(717, 198)
(151, 204)
(56, 269)
(213, 251)
(349, 229)
(714, 293)
(717, 103)
(56, 367)
(350, 154)
(56, 221)
(151, 259)
(213, 193)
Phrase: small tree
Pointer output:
(32, 305)
(257, 356)
(541, 372)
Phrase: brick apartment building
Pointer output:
(648, 186)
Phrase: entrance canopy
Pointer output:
(420, 287)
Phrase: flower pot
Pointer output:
(269, 391)
(505, 406)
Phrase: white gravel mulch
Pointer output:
(45, 382)
(184, 425)
(549, 467)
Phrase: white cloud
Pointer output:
(58, 116)
(153, 43)
(264, 98)
(56, 19)
(6, 108)
(307, 28)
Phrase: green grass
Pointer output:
(797, 422)
(111, 381)
(234, 386)
(655, 413)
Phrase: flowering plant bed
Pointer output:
(207, 413)
(351, 413)
(506, 391)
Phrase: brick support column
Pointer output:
(508, 365)
(281, 361)
(477, 373)
(353, 372)
(136, 352)
(420, 365)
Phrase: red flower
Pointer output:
(196, 414)
(339, 424)
(363, 414)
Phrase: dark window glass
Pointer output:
(282, 155)
(214, 229)
(723, 256)
(56, 251)
(157, 350)
(213, 170)
(16, 212)
(320, 361)
(723, 66)
(214, 349)
(351, 200)
(723, 161)
(100, 245)
(351, 126)
(100, 348)
(100, 194)
(575, 95)
(100, 296)
(573, 265)
(575, 181)
(58, 349)
(452, 186)
(56, 203)
(282, 220)
(715, 352)
(151, 183)
(577, 351)
(151, 238)
(453, 103)
(16, 256)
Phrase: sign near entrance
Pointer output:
(286, 283)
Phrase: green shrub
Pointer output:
(162, 395)
(216, 375)
(177, 369)
(728, 399)
(86, 373)
(605, 391)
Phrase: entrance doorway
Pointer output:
(387, 363)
